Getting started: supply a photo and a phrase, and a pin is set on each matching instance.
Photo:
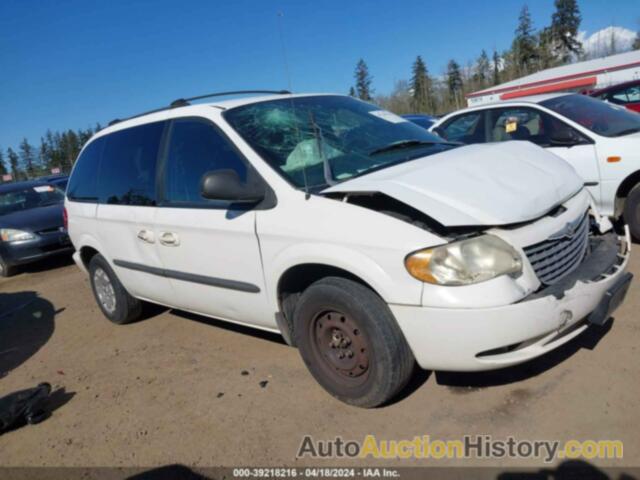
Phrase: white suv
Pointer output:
(364, 240)
(600, 140)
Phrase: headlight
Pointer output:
(11, 235)
(465, 262)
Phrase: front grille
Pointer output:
(554, 258)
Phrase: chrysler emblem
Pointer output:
(567, 232)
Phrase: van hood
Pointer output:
(489, 184)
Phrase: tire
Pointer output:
(112, 298)
(351, 343)
(6, 270)
(631, 213)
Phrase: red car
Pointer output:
(626, 94)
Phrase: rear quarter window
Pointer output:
(83, 186)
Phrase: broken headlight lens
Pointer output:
(465, 262)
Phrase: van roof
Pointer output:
(184, 107)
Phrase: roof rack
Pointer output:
(183, 102)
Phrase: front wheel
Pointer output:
(112, 298)
(6, 270)
(351, 343)
(631, 212)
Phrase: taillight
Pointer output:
(65, 218)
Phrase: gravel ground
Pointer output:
(178, 388)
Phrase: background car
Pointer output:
(626, 94)
(31, 224)
(425, 121)
(59, 181)
(600, 140)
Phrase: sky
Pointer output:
(72, 63)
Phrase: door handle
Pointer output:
(146, 236)
(169, 239)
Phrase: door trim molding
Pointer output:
(190, 277)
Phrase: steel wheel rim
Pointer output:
(104, 290)
(341, 348)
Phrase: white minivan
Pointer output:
(366, 241)
(599, 139)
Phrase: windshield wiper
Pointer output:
(399, 145)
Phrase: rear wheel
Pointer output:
(112, 298)
(5, 269)
(631, 212)
(351, 343)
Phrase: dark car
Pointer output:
(59, 181)
(424, 121)
(626, 94)
(31, 224)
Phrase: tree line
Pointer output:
(57, 150)
(531, 50)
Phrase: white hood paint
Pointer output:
(489, 184)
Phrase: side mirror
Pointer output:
(440, 132)
(226, 185)
(564, 137)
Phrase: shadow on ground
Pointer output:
(588, 339)
(233, 327)
(26, 324)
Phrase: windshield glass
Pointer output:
(28, 198)
(321, 140)
(600, 117)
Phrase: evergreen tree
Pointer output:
(495, 80)
(3, 167)
(636, 42)
(352, 92)
(524, 44)
(483, 70)
(564, 26)
(546, 55)
(421, 90)
(454, 82)
(363, 81)
(14, 163)
(28, 158)
(43, 155)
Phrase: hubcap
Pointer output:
(104, 290)
(341, 346)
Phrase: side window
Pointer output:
(468, 128)
(128, 168)
(628, 95)
(195, 148)
(633, 94)
(619, 97)
(518, 123)
(83, 182)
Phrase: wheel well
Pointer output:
(296, 279)
(86, 254)
(627, 184)
(623, 191)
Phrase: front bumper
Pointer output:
(43, 246)
(461, 339)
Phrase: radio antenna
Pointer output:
(293, 107)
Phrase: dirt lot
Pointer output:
(176, 388)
